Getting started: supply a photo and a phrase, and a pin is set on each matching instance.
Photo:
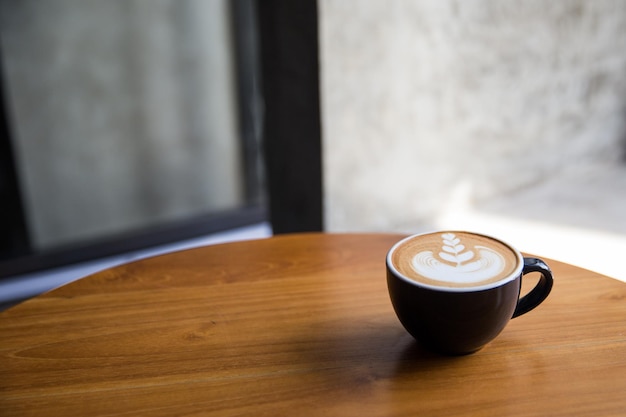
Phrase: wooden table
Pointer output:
(298, 325)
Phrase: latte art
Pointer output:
(455, 259)
(456, 265)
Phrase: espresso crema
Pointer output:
(455, 259)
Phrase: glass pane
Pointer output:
(123, 114)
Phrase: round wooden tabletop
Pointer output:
(298, 325)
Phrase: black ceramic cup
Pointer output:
(455, 291)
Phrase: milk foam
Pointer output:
(456, 264)
(456, 259)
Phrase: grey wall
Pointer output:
(426, 101)
(123, 112)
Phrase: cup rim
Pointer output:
(511, 277)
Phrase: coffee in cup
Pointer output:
(455, 291)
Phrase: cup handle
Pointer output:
(541, 290)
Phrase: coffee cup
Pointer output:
(455, 291)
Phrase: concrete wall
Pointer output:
(123, 112)
(431, 104)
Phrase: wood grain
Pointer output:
(298, 325)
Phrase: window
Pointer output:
(125, 124)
